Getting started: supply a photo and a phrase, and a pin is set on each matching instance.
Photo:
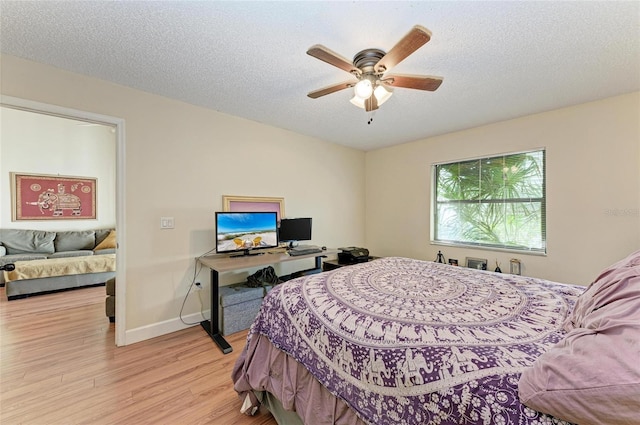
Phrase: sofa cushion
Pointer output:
(78, 253)
(108, 243)
(104, 251)
(19, 241)
(12, 258)
(75, 240)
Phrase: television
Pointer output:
(293, 230)
(244, 232)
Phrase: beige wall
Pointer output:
(593, 188)
(180, 160)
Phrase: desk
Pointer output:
(227, 264)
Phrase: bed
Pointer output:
(404, 341)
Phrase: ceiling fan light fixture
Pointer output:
(363, 89)
(359, 102)
(382, 94)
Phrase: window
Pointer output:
(495, 202)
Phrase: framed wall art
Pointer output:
(52, 197)
(253, 204)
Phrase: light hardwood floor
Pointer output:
(59, 365)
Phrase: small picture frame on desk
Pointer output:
(477, 263)
(453, 262)
(515, 266)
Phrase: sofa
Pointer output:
(49, 261)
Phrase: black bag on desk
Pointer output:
(262, 277)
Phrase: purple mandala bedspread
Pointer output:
(403, 341)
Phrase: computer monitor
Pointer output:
(293, 230)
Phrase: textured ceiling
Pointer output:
(499, 60)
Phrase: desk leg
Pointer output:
(212, 326)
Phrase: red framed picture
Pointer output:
(51, 197)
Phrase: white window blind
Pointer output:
(495, 202)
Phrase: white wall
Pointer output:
(42, 144)
(180, 160)
(593, 188)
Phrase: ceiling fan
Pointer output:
(373, 87)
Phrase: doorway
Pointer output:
(47, 139)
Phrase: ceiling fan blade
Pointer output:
(420, 82)
(371, 104)
(332, 58)
(411, 42)
(330, 89)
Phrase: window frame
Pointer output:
(481, 245)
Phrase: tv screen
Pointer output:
(246, 231)
(295, 229)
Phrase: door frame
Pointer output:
(119, 125)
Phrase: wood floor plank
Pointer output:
(59, 365)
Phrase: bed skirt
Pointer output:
(277, 373)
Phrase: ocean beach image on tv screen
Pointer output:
(238, 231)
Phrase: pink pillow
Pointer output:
(592, 376)
(602, 291)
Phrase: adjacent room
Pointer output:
(432, 150)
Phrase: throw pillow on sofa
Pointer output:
(101, 234)
(108, 243)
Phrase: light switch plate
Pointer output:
(166, 223)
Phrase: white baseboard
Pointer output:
(162, 328)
